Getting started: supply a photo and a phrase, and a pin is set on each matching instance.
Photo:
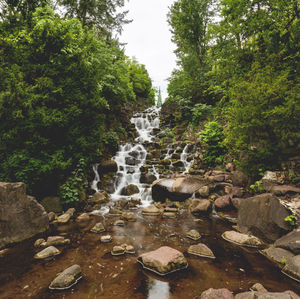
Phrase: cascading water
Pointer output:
(186, 158)
(131, 157)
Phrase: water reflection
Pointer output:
(157, 289)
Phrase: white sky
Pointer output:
(149, 40)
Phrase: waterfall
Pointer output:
(186, 159)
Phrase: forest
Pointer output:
(64, 78)
(238, 71)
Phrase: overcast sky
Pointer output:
(149, 40)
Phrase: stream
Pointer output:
(106, 276)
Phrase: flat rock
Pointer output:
(258, 287)
(83, 217)
(163, 260)
(119, 222)
(290, 241)
(201, 250)
(280, 190)
(52, 241)
(241, 239)
(217, 294)
(151, 210)
(277, 255)
(118, 250)
(98, 228)
(100, 197)
(266, 295)
(66, 279)
(169, 215)
(292, 268)
(47, 253)
(193, 234)
(115, 211)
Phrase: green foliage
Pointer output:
(201, 112)
(111, 140)
(212, 137)
(257, 187)
(61, 86)
(74, 185)
(291, 219)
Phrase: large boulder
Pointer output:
(277, 255)
(180, 188)
(263, 215)
(107, 166)
(291, 241)
(130, 190)
(200, 206)
(292, 268)
(163, 260)
(52, 204)
(21, 216)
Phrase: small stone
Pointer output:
(169, 215)
(204, 191)
(217, 294)
(51, 216)
(119, 223)
(129, 249)
(136, 201)
(114, 211)
(258, 287)
(64, 218)
(201, 250)
(193, 234)
(83, 217)
(118, 250)
(170, 209)
(68, 278)
(56, 240)
(39, 242)
(151, 210)
(129, 216)
(98, 228)
(106, 239)
(47, 252)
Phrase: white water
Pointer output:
(94, 184)
(184, 157)
(131, 157)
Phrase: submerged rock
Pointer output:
(201, 250)
(193, 234)
(21, 216)
(68, 278)
(151, 210)
(217, 294)
(98, 228)
(47, 253)
(106, 239)
(241, 239)
(292, 268)
(163, 260)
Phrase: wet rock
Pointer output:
(200, 206)
(52, 204)
(51, 216)
(258, 287)
(230, 167)
(193, 234)
(236, 202)
(128, 216)
(39, 242)
(21, 216)
(68, 278)
(284, 189)
(165, 162)
(239, 178)
(292, 268)
(277, 255)
(241, 239)
(114, 211)
(129, 249)
(108, 166)
(98, 228)
(171, 209)
(52, 241)
(201, 250)
(118, 250)
(217, 294)
(151, 210)
(64, 218)
(204, 191)
(84, 217)
(263, 215)
(223, 203)
(177, 163)
(100, 197)
(264, 295)
(47, 253)
(147, 178)
(119, 223)
(168, 215)
(135, 201)
(291, 241)
(163, 260)
(130, 189)
(106, 239)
